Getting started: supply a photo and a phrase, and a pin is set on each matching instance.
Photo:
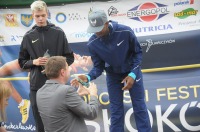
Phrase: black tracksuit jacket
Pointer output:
(35, 43)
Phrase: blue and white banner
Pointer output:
(169, 34)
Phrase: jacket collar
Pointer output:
(51, 81)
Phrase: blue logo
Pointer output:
(61, 17)
(26, 19)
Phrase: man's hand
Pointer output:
(93, 89)
(129, 81)
(41, 61)
(82, 90)
(74, 82)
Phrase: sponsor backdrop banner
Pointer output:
(169, 33)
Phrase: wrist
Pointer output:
(131, 74)
(88, 78)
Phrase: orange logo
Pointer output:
(11, 20)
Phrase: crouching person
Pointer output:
(60, 106)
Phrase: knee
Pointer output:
(139, 105)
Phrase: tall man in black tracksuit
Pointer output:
(43, 37)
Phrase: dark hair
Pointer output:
(54, 66)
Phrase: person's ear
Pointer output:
(62, 72)
(32, 15)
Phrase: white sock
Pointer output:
(21, 103)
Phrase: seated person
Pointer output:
(60, 106)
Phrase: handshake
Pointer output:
(84, 87)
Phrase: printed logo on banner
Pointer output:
(113, 12)
(1, 38)
(15, 38)
(192, 23)
(186, 2)
(152, 28)
(186, 13)
(75, 17)
(11, 20)
(81, 35)
(26, 19)
(149, 43)
(148, 12)
(61, 17)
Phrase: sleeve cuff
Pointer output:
(131, 74)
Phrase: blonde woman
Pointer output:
(5, 93)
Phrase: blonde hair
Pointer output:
(38, 6)
(5, 92)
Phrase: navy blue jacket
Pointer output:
(118, 52)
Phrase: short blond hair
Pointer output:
(38, 6)
(5, 92)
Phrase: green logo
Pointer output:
(186, 13)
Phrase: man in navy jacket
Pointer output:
(115, 49)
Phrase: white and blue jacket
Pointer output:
(118, 52)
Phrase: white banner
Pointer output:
(144, 17)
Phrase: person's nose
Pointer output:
(40, 18)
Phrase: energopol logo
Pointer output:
(186, 13)
(149, 43)
(148, 12)
(184, 2)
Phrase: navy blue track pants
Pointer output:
(116, 103)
